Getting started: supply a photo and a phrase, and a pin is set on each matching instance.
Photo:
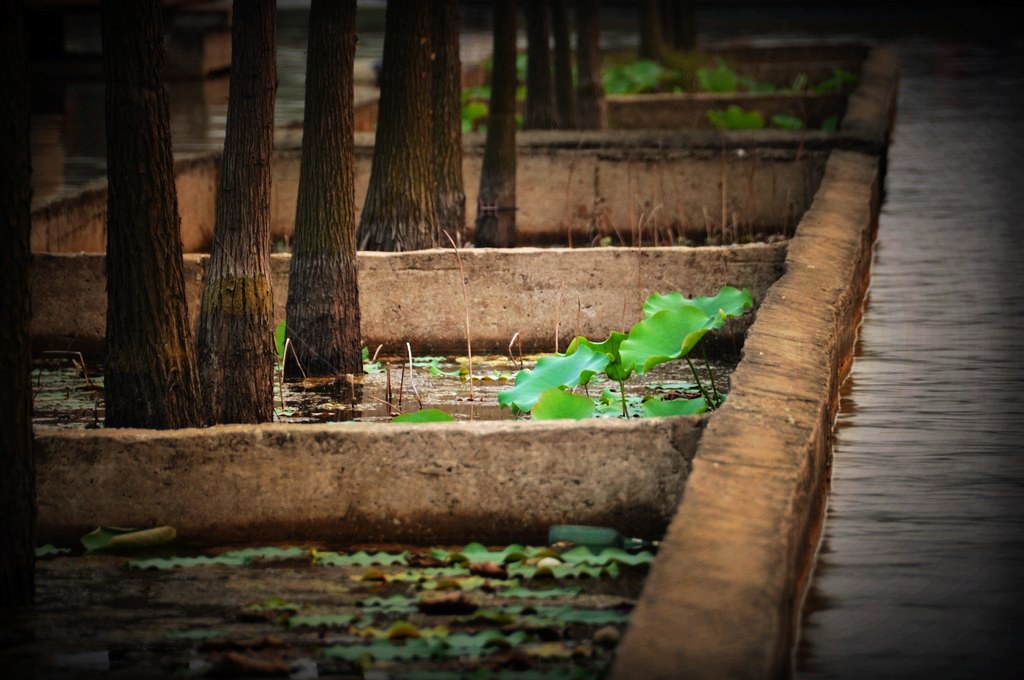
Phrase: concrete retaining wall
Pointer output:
(366, 482)
(417, 297)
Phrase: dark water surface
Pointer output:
(921, 571)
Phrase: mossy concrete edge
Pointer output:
(723, 597)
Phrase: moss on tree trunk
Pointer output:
(236, 335)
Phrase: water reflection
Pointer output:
(920, 569)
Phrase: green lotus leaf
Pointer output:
(477, 552)
(594, 617)
(667, 335)
(719, 79)
(564, 571)
(167, 563)
(830, 124)
(735, 118)
(584, 555)
(656, 408)
(280, 335)
(781, 120)
(395, 604)
(358, 559)
(540, 593)
(557, 404)
(49, 550)
(267, 553)
(729, 300)
(555, 370)
(426, 415)
(610, 347)
(322, 620)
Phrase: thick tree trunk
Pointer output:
(399, 210)
(150, 376)
(17, 471)
(496, 205)
(323, 292)
(565, 91)
(447, 84)
(650, 31)
(236, 315)
(540, 99)
(679, 23)
(591, 108)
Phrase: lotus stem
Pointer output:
(412, 378)
(622, 395)
(711, 373)
(700, 385)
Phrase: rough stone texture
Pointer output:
(417, 297)
(426, 484)
(733, 566)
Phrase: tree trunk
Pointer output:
(678, 18)
(447, 85)
(399, 209)
(236, 315)
(496, 205)
(540, 98)
(593, 114)
(565, 97)
(668, 11)
(650, 33)
(323, 292)
(150, 376)
(17, 471)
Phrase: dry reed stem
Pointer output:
(465, 299)
(412, 378)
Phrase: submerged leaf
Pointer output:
(115, 538)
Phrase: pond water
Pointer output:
(66, 394)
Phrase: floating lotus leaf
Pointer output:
(322, 620)
(735, 118)
(477, 552)
(553, 370)
(358, 559)
(50, 550)
(557, 404)
(719, 79)
(385, 650)
(396, 604)
(166, 563)
(426, 415)
(656, 408)
(564, 571)
(583, 555)
(540, 593)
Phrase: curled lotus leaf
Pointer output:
(729, 301)
(668, 334)
(555, 370)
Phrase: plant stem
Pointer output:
(700, 385)
(622, 394)
(714, 388)
(465, 299)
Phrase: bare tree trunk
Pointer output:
(540, 98)
(399, 210)
(650, 32)
(565, 91)
(679, 22)
(323, 291)
(447, 85)
(150, 375)
(236, 316)
(593, 113)
(496, 205)
(17, 469)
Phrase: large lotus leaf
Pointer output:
(119, 538)
(553, 370)
(615, 369)
(358, 559)
(656, 408)
(583, 555)
(557, 404)
(426, 415)
(719, 79)
(667, 335)
(729, 301)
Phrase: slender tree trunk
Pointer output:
(650, 32)
(593, 113)
(150, 377)
(399, 210)
(669, 11)
(496, 205)
(17, 470)
(236, 316)
(679, 23)
(323, 292)
(447, 84)
(565, 91)
(540, 98)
